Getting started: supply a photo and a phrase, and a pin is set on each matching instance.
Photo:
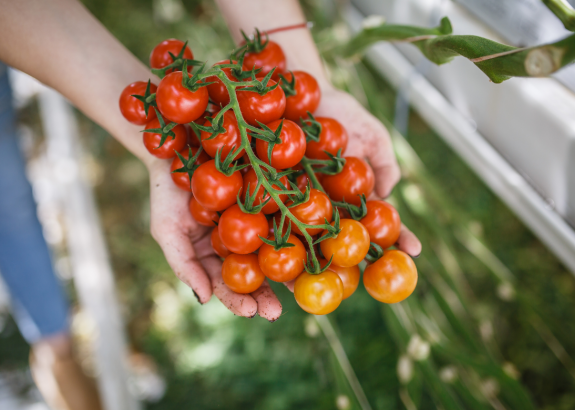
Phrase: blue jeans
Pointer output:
(38, 301)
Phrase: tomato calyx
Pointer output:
(332, 166)
(255, 44)
(260, 86)
(238, 69)
(356, 212)
(189, 164)
(193, 83)
(271, 137)
(165, 130)
(332, 231)
(288, 86)
(299, 197)
(179, 63)
(279, 242)
(216, 128)
(148, 99)
(248, 206)
(375, 252)
(228, 166)
(313, 266)
(311, 128)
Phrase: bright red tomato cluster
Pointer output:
(180, 120)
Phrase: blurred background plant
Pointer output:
(490, 325)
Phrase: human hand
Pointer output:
(368, 139)
(188, 250)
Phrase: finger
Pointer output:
(290, 285)
(269, 307)
(238, 304)
(408, 242)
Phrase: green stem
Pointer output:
(563, 11)
(307, 166)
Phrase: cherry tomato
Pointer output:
(312, 212)
(349, 247)
(251, 178)
(133, 109)
(306, 98)
(283, 265)
(290, 151)
(170, 146)
(240, 232)
(181, 179)
(332, 138)
(355, 179)
(218, 91)
(227, 141)
(160, 56)
(214, 190)
(382, 222)
(349, 277)
(219, 248)
(263, 108)
(272, 56)
(242, 273)
(202, 215)
(177, 103)
(318, 294)
(392, 278)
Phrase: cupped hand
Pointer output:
(188, 250)
(368, 139)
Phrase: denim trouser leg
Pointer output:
(39, 304)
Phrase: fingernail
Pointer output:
(197, 297)
(251, 317)
(417, 256)
(273, 320)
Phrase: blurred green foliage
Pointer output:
(493, 306)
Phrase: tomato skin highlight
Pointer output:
(240, 232)
(217, 245)
(251, 179)
(312, 212)
(272, 56)
(133, 109)
(392, 278)
(332, 138)
(383, 223)
(214, 190)
(170, 146)
(318, 294)
(263, 108)
(227, 141)
(181, 179)
(201, 215)
(349, 276)
(291, 150)
(160, 55)
(283, 265)
(349, 247)
(307, 98)
(218, 91)
(242, 273)
(356, 178)
(177, 103)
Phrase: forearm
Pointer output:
(61, 44)
(298, 45)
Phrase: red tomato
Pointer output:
(263, 108)
(392, 278)
(218, 91)
(251, 178)
(217, 245)
(291, 150)
(240, 232)
(214, 190)
(318, 294)
(272, 56)
(349, 247)
(133, 109)
(202, 215)
(382, 222)
(349, 277)
(332, 138)
(242, 273)
(283, 265)
(181, 179)
(160, 56)
(307, 96)
(177, 103)
(312, 212)
(227, 141)
(170, 146)
(355, 179)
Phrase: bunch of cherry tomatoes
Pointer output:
(268, 176)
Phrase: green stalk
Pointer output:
(563, 11)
